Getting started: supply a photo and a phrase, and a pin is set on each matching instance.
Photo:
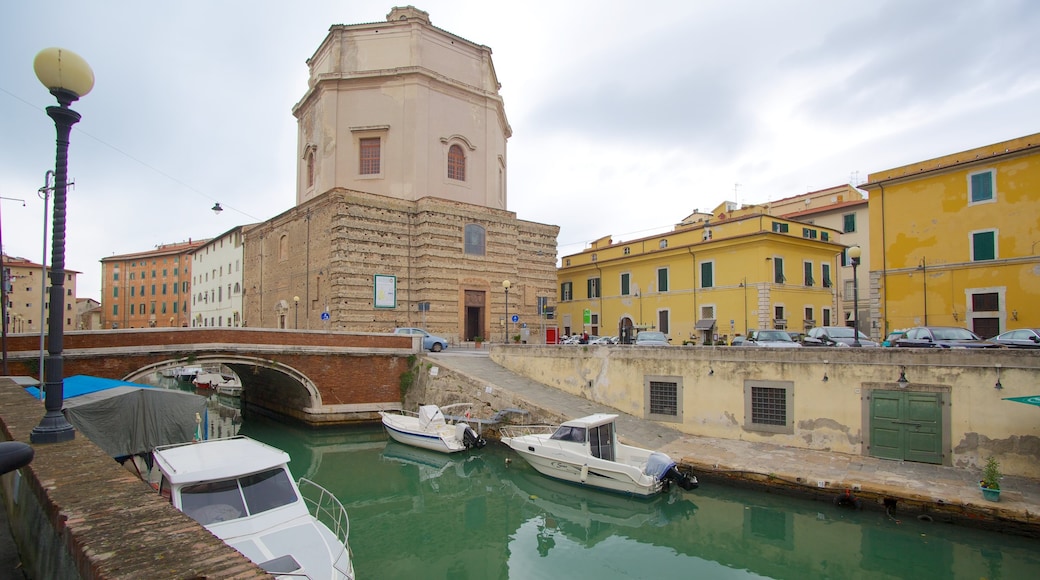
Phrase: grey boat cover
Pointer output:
(129, 419)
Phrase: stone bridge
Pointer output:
(317, 377)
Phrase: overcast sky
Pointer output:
(626, 115)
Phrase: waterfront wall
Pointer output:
(829, 392)
(75, 513)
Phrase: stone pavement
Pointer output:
(925, 490)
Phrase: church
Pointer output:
(401, 215)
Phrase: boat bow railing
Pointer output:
(327, 509)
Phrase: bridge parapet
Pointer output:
(316, 377)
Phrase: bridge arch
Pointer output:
(257, 374)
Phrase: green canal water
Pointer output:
(488, 515)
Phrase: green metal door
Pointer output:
(906, 425)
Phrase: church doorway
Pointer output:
(475, 314)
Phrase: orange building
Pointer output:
(148, 289)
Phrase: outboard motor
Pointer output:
(664, 469)
(685, 480)
(468, 437)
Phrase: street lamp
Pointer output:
(296, 301)
(854, 253)
(68, 77)
(505, 285)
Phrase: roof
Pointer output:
(160, 250)
(986, 153)
(592, 420)
(217, 459)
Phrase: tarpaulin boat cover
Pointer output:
(125, 418)
(658, 464)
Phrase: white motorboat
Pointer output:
(186, 374)
(430, 430)
(586, 451)
(241, 490)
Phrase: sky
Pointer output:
(627, 115)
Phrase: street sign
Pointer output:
(516, 318)
(325, 316)
(587, 316)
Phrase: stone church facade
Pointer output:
(401, 215)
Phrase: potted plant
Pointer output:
(516, 339)
(990, 484)
(479, 341)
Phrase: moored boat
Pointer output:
(207, 380)
(429, 429)
(241, 490)
(586, 451)
(186, 374)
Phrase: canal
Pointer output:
(487, 514)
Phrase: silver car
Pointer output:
(429, 341)
(771, 339)
(1021, 338)
(836, 336)
(652, 338)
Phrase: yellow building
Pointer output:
(955, 239)
(712, 277)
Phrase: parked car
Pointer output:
(893, 337)
(943, 337)
(796, 336)
(737, 341)
(1021, 338)
(602, 340)
(836, 336)
(771, 339)
(429, 341)
(652, 338)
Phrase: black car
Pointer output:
(1021, 338)
(943, 337)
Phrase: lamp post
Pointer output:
(296, 318)
(505, 285)
(854, 255)
(68, 77)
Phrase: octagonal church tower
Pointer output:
(400, 217)
(403, 109)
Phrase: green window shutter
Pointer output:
(982, 187)
(625, 284)
(707, 272)
(984, 246)
(849, 223)
(778, 270)
(662, 280)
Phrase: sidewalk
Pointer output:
(926, 490)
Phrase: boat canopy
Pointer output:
(592, 420)
(124, 418)
(430, 416)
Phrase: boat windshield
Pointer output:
(569, 433)
(220, 501)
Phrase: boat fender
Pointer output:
(584, 473)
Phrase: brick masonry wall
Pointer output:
(330, 248)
